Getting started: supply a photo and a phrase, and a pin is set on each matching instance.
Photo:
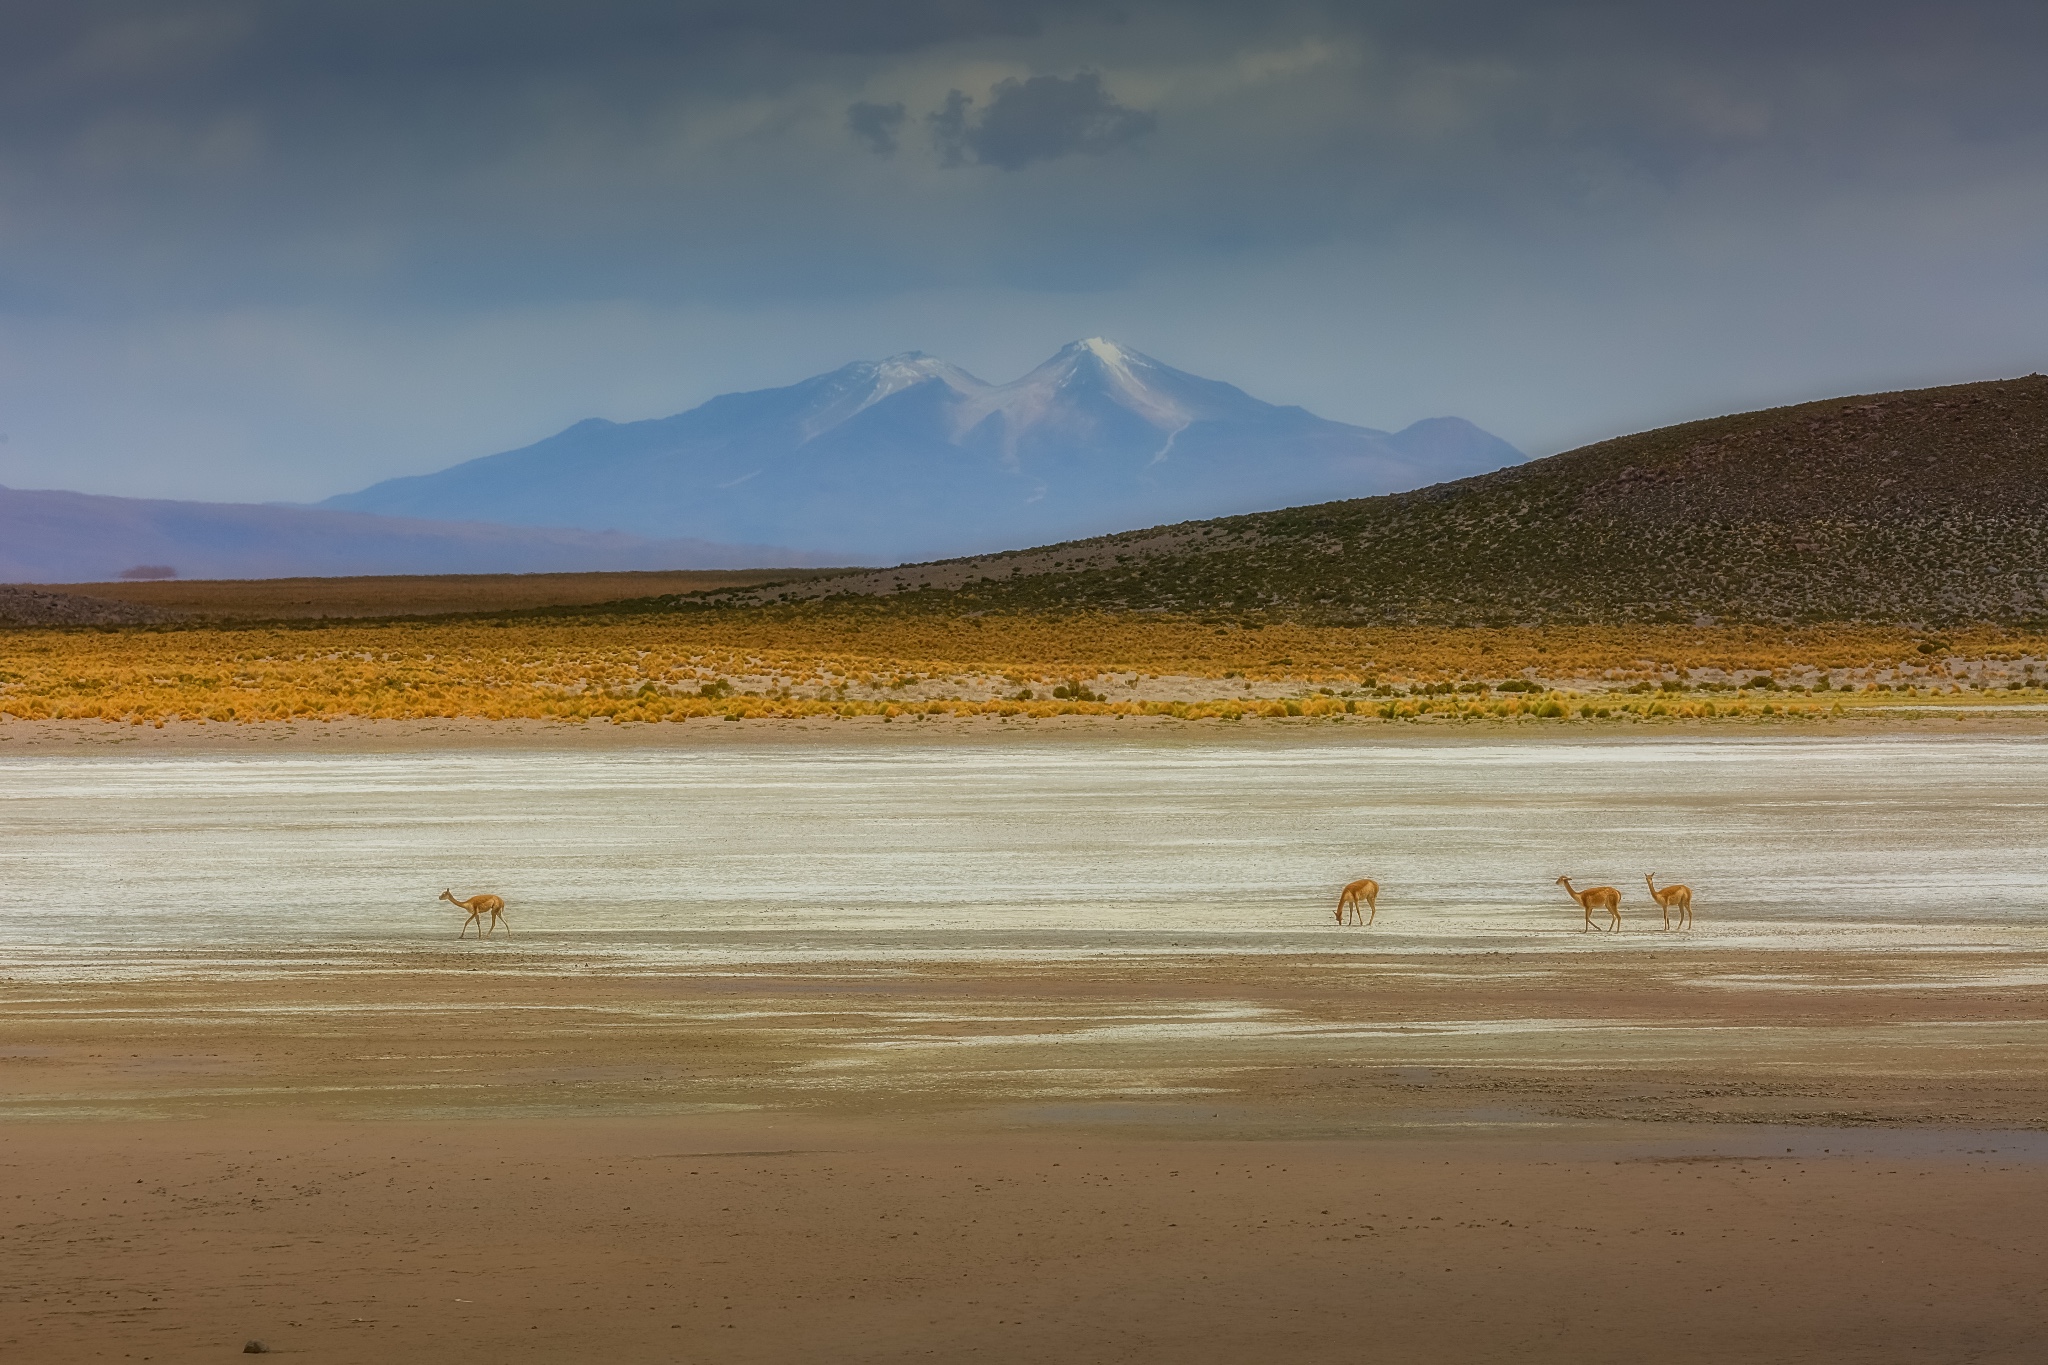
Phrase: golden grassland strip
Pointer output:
(798, 662)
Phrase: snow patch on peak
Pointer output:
(1110, 356)
(899, 372)
(867, 382)
(1042, 395)
(1122, 369)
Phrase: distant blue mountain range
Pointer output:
(912, 458)
(57, 537)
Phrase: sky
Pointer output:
(275, 251)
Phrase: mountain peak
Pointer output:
(1128, 378)
(855, 388)
(908, 455)
(1105, 350)
(1117, 360)
(902, 370)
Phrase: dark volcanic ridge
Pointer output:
(1928, 505)
(28, 607)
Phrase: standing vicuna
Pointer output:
(1366, 889)
(1671, 898)
(1595, 897)
(479, 906)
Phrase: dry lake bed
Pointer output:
(1031, 1050)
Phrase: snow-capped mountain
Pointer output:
(912, 458)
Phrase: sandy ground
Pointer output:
(531, 1151)
(357, 735)
(718, 1240)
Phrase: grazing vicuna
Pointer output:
(1595, 897)
(479, 906)
(1366, 889)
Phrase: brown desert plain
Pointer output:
(1684, 1149)
(462, 1156)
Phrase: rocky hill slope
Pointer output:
(1921, 506)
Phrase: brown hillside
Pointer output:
(1924, 506)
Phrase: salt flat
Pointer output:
(1034, 845)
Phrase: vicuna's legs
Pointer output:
(1366, 889)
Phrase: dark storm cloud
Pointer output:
(877, 125)
(1035, 120)
(467, 152)
(106, 44)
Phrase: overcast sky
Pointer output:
(280, 250)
